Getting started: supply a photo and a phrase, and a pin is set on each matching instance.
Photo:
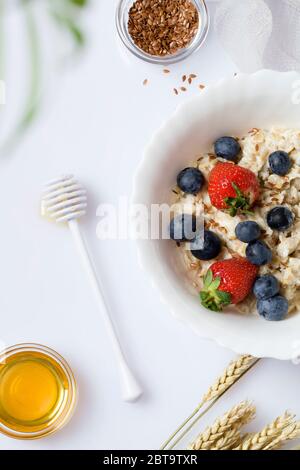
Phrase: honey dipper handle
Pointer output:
(131, 390)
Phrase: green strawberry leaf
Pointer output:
(240, 203)
(237, 190)
(225, 297)
(208, 278)
(215, 308)
(210, 296)
(215, 283)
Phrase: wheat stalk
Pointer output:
(233, 372)
(225, 429)
(269, 434)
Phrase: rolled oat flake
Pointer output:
(163, 27)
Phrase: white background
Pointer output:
(95, 123)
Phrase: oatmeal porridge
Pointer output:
(273, 156)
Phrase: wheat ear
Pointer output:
(230, 439)
(269, 434)
(289, 433)
(232, 374)
(225, 428)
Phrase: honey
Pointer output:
(35, 391)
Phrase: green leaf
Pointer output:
(209, 303)
(76, 32)
(214, 308)
(237, 190)
(31, 107)
(215, 283)
(208, 279)
(230, 200)
(71, 26)
(239, 203)
(246, 212)
(233, 211)
(79, 3)
(225, 297)
(210, 296)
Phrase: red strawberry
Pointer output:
(227, 282)
(233, 187)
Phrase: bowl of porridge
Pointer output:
(227, 164)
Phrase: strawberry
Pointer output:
(227, 282)
(233, 187)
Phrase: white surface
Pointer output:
(261, 100)
(96, 126)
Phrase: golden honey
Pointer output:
(37, 391)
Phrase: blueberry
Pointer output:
(280, 162)
(266, 287)
(247, 231)
(228, 148)
(273, 309)
(207, 247)
(258, 253)
(183, 227)
(190, 180)
(280, 218)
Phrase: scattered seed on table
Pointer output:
(201, 87)
(175, 91)
(182, 88)
(145, 81)
(192, 75)
(166, 70)
(184, 78)
(190, 81)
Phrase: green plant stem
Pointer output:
(33, 98)
(194, 413)
(33, 94)
(65, 15)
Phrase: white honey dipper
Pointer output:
(65, 200)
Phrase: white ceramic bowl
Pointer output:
(231, 107)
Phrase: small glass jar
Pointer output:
(122, 15)
(64, 406)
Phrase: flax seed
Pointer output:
(163, 27)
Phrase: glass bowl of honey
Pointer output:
(38, 391)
